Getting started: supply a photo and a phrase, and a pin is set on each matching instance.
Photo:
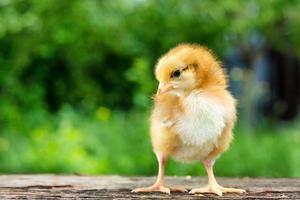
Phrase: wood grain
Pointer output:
(117, 187)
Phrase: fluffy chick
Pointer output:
(193, 114)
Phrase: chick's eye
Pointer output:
(175, 74)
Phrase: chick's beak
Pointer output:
(163, 87)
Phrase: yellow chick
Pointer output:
(193, 114)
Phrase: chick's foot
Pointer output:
(216, 189)
(159, 188)
(153, 188)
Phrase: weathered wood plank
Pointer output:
(116, 187)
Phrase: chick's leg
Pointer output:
(213, 186)
(159, 185)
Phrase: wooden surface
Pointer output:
(116, 187)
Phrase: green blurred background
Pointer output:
(76, 79)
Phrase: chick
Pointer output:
(193, 114)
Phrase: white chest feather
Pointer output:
(202, 121)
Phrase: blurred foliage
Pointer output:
(114, 142)
(76, 79)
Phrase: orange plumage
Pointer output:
(193, 113)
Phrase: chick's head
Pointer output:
(187, 67)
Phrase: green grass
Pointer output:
(114, 142)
